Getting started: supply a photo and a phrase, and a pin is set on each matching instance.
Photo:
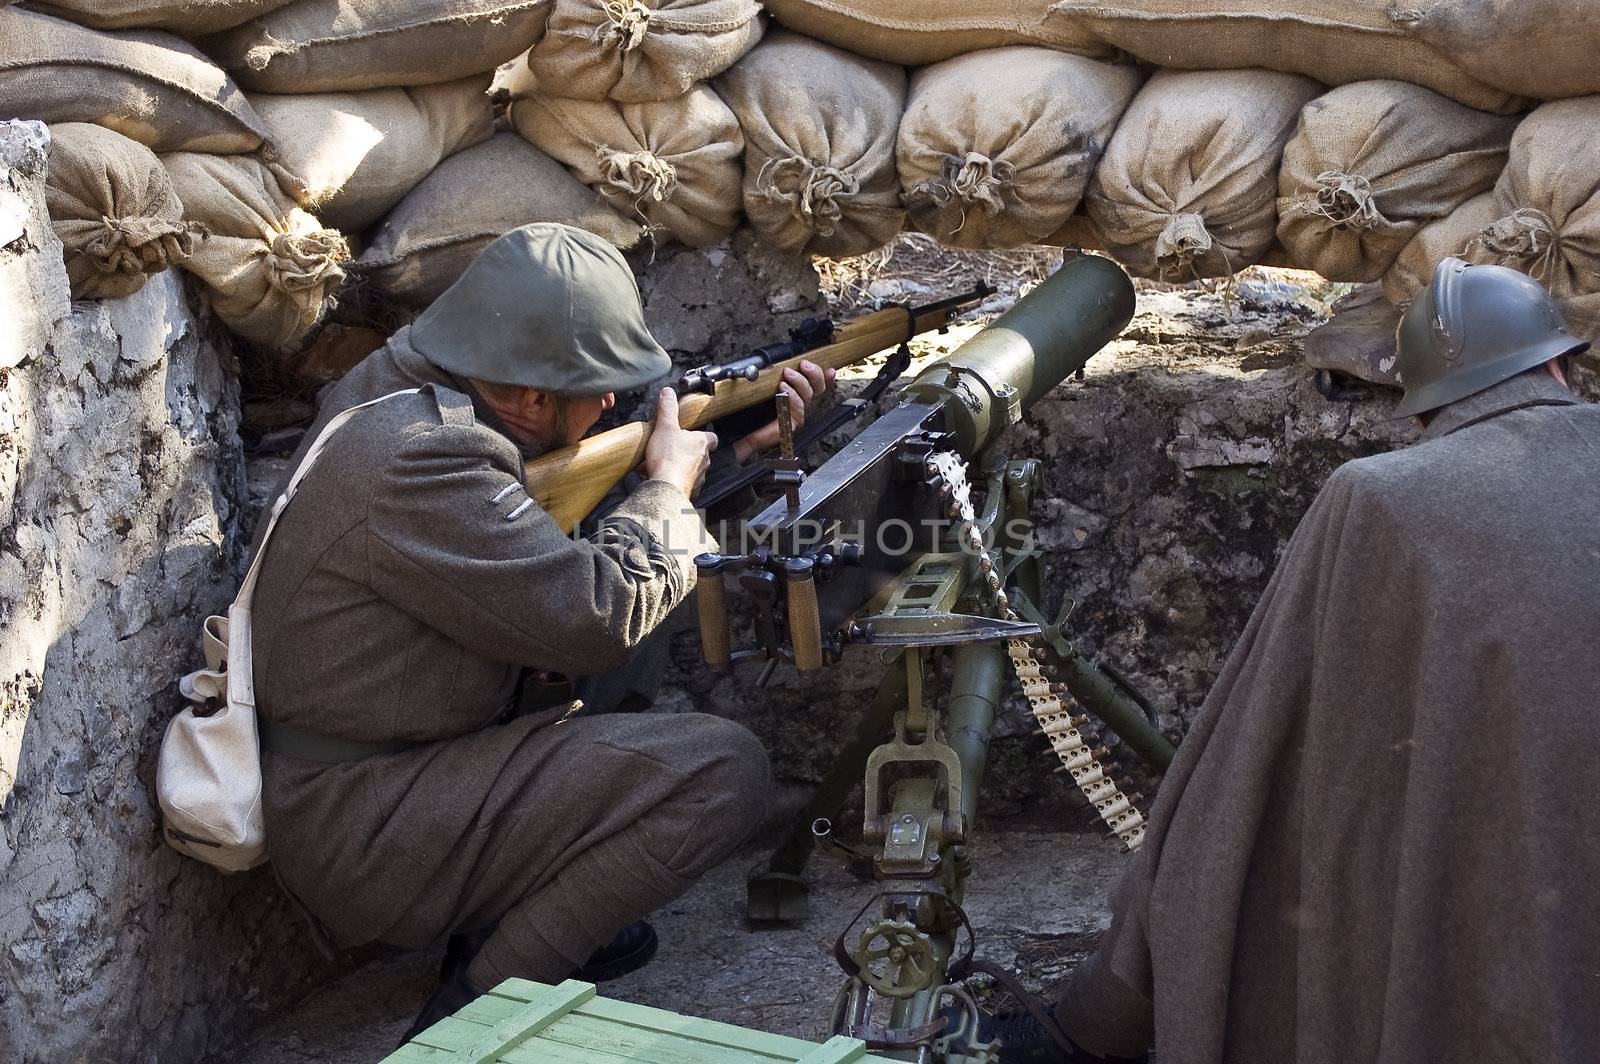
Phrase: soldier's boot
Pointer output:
(628, 952)
(631, 950)
(1032, 1034)
(449, 997)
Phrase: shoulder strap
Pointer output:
(337, 422)
(454, 407)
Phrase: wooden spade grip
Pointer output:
(569, 483)
(716, 631)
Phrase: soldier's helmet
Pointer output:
(1470, 329)
(549, 307)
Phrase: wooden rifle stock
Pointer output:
(570, 482)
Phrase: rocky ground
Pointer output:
(1038, 900)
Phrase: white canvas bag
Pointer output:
(208, 774)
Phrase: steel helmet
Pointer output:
(550, 307)
(1470, 329)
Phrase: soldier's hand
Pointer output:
(803, 387)
(675, 454)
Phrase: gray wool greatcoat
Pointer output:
(404, 590)
(1380, 841)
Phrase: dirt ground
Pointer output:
(1038, 902)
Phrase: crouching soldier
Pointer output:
(414, 594)
(1380, 841)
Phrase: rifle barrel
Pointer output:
(568, 483)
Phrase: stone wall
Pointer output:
(120, 474)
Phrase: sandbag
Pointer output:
(638, 51)
(819, 127)
(269, 267)
(186, 17)
(473, 197)
(981, 169)
(147, 85)
(350, 45)
(1336, 43)
(357, 154)
(674, 165)
(115, 211)
(1542, 218)
(1370, 164)
(1188, 186)
(1541, 48)
(916, 33)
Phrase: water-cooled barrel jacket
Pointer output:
(1380, 841)
(405, 588)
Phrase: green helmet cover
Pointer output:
(1470, 329)
(549, 307)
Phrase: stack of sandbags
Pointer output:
(351, 45)
(353, 156)
(473, 197)
(819, 127)
(1335, 43)
(185, 17)
(986, 169)
(1540, 48)
(1542, 218)
(916, 33)
(1188, 186)
(269, 267)
(640, 51)
(149, 86)
(674, 165)
(1370, 164)
(115, 211)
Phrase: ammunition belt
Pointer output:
(1050, 701)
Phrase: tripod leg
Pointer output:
(775, 889)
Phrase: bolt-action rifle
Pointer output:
(569, 483)
(914, 543)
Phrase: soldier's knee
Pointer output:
(732, 779)
(738, 772)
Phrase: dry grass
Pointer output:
(865, 282)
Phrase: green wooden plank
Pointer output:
(527, 1020)
(451, 1034)
(837, 1050)
(648, 1045)
(779, 1046)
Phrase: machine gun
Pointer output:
(568, 483)
(891, 545)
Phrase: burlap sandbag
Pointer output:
(351, 45)
(819, 127)
(674, 165)
(1336, 43)
(357, 154)
(187, 17)
(1542, 218)
(473, 197)
(269, 267)
(146, 85)
(984, 169)
(115, 211)
(916, 33)
(1542, 48)
(637, 51)
(1188, 186)
(1370, 164)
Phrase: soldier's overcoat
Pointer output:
(1380, 841)
(405, 589)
